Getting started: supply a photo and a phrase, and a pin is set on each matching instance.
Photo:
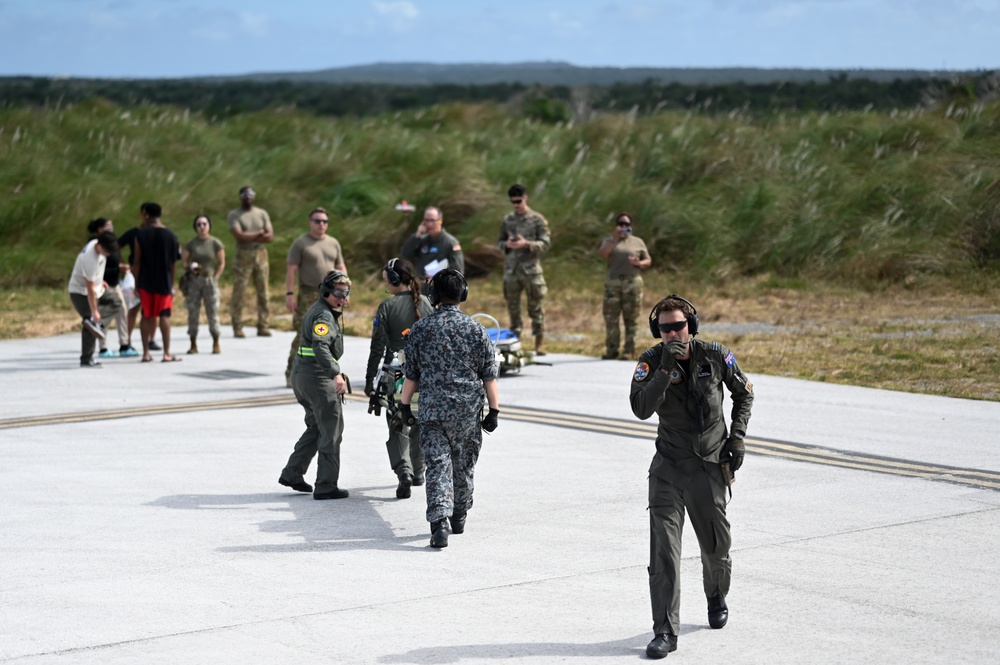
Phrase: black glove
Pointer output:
(406, 415)
(490, 421)
(671, 350)
(735, 450)
(369, 388)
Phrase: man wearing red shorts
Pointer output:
(157, 250)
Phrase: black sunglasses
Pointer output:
(623, 223)
(517, 202)
(676, 326)
(319, 221)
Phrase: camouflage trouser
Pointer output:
(451, 449)
(308, 296)
(250, 260)
(534, 286)
(622, 298)
(202, 289)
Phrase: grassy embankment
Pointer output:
(866, 244)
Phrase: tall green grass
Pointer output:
(856, 198)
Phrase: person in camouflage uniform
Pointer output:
(251, 226)
(524, 237)
(681, 380)
(626, 256)
(451, 359)
(391, 324)
(319, 387)
(310, 258)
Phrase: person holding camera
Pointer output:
(524, 238)
(681, 380)
(204, 259)
(627, 256)
(451, 360)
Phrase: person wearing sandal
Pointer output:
(157, 250)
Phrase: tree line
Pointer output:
(548, 103)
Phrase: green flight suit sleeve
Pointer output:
(321, 343)
(741, 391)
(380, 340)
(410, 250)
(649, 384)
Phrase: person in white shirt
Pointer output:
(89, 295)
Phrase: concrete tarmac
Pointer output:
(142, 522)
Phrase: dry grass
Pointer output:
(929, 340)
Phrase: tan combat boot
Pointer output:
(194, 345)
(215, 345)
(539, 345)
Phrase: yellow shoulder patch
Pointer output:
(321, 330)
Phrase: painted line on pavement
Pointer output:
(977, 478)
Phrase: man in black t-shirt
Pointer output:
(128, 239)
(157, 250)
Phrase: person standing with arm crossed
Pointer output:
(251, 226)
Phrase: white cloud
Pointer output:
(255, 24)
(399, 9)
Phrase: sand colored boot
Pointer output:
(215, 344)
(194, 345)
(539, 345)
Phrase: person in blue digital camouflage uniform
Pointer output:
(319, 387)
(451, 360)
(681, 380)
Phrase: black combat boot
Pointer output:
(458, 522)
(403, 489)
(718, 612)
(439, 534)
(661, 645)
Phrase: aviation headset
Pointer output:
(692, 318)
(391, 274)
(435, 296)
(331, 280)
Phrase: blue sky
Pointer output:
(173, 38)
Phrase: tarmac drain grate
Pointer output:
(224, 375)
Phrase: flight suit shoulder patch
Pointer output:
(641, 371)
(321, 329)
(375, 322)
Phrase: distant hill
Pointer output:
(563, 73)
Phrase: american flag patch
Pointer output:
(730, 360)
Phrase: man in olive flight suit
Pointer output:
(319, 387)
(524, 237)
(681, 380)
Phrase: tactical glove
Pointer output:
(406, 415)
(671, 350)
(490, 421)
(736, 451)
